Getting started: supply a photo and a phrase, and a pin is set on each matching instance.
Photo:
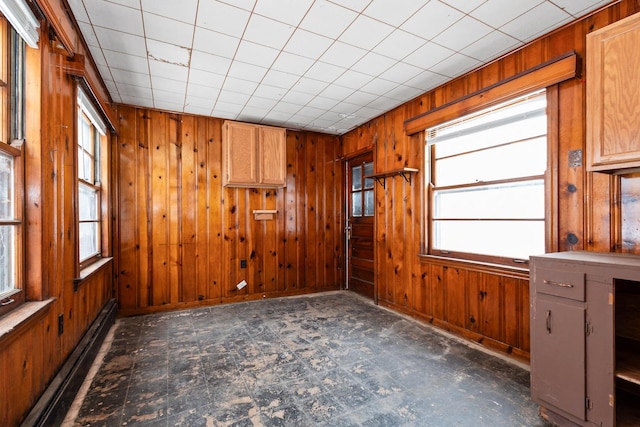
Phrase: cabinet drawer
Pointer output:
(566, 284)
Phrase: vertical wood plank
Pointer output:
(159, 209)
(191, 206)
(143, 198)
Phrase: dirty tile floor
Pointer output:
(331, 359)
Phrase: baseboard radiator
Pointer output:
(52, 407)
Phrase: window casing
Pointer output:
(11, 167)
(91, 137)
(486, 182)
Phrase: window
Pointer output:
(11, 134)
(91, 132)
(362, 190)
(487, 182)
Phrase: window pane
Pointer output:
(88, 240)
(512, 200)
(7, 254)
(368, 170)
(356, 178)
(87, 136)
(88, 174)
(516, 239)
(368, 203)
(527, 158)
(356, 204)
(6, 187)
(87, 203)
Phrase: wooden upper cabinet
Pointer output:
(613, 96)
(253, 155)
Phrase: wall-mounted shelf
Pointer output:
(264, 214)
(404, 172)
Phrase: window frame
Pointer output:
(87, 113)
(550, 191)
(12, 78)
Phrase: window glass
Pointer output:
(356, 204)
(356, 178)
(368, 203)
(487, 181)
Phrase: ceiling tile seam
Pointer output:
(193, 38)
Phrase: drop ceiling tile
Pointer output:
(383, 103)
(336, 92)
(268, 32)
(342, 55)
(399, 44)
(169, 97)
(123, 61)
(128, 77)
(222, 18)
(168, 106)
(167, 8)
(298, 122)
(290, 63)
(205, 103)
(465, 6)
(280, 79)
(88, 34)
(496, 13)
(210, 93)
(98, 55)
(330, 117)
(205, 78)
(288, 11)
(463, 33)
(401, 72)
(136, 101)
(373, 64)
(366, 32)
(256, 54)
(262, 103)
(345, 109)
(239, 85)
(327, 19)
(426, 81)
(322, 103)
(311, 112)
(244, 71)
(168, 53)
(215, 43)
(537, 20)
(307, 85)
(252, 115)
(228, 107)
(321, 124)
(105, 73)
(229, 97)
(432, 19)
(578, 9)
(324, 72)
(353, 79)
(361, 98)
(428, 55)
(455, 65)
(115, 40)
(134, 4)
(115, 17)
(208, 62)
(286, 107)
(403, 93)
(224, 115)
(307, 44)
(490, 46)
(368, 111)
(169, 85)
(378, 86)
(393, 12)
(127, 90)
(244, 4)
(198, 111)
(296, 97)
(270, 92)
(276, 117)
(168, 30)
(79, 11)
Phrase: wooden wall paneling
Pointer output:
(524, 337)
(598, 213)
(258, 249)
(491, 306)
(511, 307)
(230, 226)
(398, 244)
(311, 220)
(437, 291)
(421, 293)
(383, 257)
(474, 295)
(144, 148)
(159, 178)
(292, 212)
(454, 296)
(174, 207)
(190, 208)
(328, 212)
(271, 234)
(280, 225)
(212, 251)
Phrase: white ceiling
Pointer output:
(320, 65)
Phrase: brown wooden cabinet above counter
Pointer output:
(613, 97)
(253, 155)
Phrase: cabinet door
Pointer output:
(613, 96)
(558, 355)
(240, 154)
(272, 156)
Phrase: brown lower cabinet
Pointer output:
(585, 338)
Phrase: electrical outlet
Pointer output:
(60, 324)
(242, 284)
(243, 263)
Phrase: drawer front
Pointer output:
(562, 283)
